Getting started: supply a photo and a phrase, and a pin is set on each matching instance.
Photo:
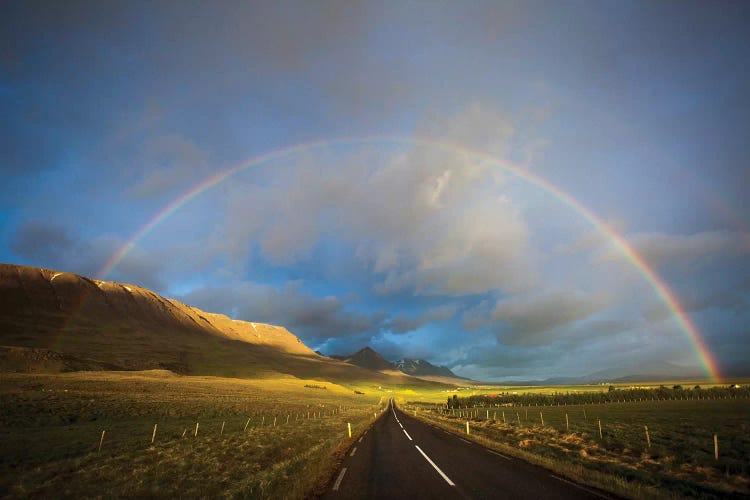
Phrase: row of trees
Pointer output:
(614, 395)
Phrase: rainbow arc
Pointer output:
(661, 288)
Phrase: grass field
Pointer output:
(51, 426)
(679, 462)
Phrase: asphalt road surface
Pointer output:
(402, 457)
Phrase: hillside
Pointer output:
(67, 322)
(370, 359)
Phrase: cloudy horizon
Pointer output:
(637, 111)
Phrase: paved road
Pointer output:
(401, 457)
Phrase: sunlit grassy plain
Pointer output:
(51, 425)
(680, 461)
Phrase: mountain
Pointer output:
(370, 359)
(420, 367)
(57, 321)
(624, 373)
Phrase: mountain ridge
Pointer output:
(369, 358)
(53, 320)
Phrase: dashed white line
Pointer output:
(354, 450)
(589, 490)
(465, 440)
(447, 479)
(338, 479)
(360, 439)
(407, 435)
(499, 454)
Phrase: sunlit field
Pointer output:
(213, 437)
(640, 448)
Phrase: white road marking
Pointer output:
(465, 440)
(407, 435)
(354, 450)
(360, 439)
(589, 490)
(447, 479)
(499, 454)
(338, 480)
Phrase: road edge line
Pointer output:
(338, 479)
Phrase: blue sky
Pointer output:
(638, 110)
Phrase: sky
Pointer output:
(375, 150)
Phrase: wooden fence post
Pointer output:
(349, 428)
(716, 446)
(648, 437)
(101, 441)
(246, 424)
(467, 427)
(196, 430)
(153, 436)
(541, 417)
(221, 432)
(567, 424)
(600, 427)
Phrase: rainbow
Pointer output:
(660, 287)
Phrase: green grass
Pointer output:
(50, 427)
(679, 462)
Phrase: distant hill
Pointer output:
(630, 373)
(420, 367)
(58, 321)
(370, 359)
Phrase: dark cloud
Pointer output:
(404, 324)
(43, 242)
(308, 316)
(533, 321)
(729, 300)
(52, 246)
(706, 246)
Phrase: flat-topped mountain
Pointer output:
(58, 321)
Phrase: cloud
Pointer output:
(308, 316)
(533, 321)
(49, 245)
(42, 242)
(661, 248)
(405, 324)
(733, 299)
(163, 163)
(427, 221)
